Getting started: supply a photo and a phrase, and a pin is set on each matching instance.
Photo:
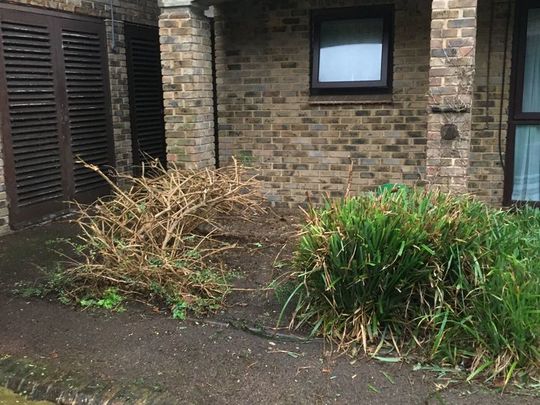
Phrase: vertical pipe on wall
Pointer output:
(214, 87)
(501, 110)
(488, 69)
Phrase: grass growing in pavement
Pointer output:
(444, 275)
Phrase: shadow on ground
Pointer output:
(203, 361)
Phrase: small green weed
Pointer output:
(245, 157)
(30, 291)
(54, 243)
(54, 282)
(111, 300)
(179, 310)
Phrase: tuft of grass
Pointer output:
(445, 276)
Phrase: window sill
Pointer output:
(351, 99)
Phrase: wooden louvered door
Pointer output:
(54, 110)
(145, 95)
(88, 104)
(31, 118)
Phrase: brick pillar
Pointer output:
(186, 60)
(451, 75)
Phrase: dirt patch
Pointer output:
(206, 360)
(265, 249)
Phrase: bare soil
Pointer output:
(210, 360)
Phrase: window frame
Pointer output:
(383, 86)
(520, 59)
(516, 116)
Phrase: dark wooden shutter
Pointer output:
(88, 106)
(33, 166)
(54, 106)
(145, 94)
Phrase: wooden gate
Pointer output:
(145, 94)
(54, 102)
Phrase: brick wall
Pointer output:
(304, 144)
(135, 11)
(485, 172)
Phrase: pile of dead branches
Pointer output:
(155, 240)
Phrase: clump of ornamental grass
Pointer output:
(154, 241)
(439, 275)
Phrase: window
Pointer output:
(351, 50)
(523, 148)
